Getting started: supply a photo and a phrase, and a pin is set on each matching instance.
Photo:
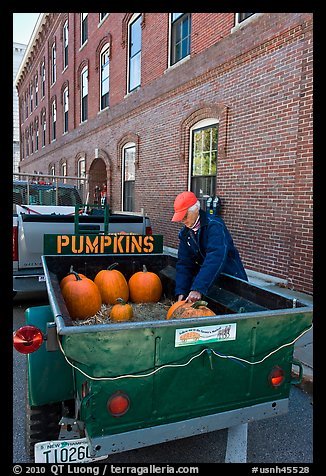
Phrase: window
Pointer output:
(53, 64)
(26, 104)
(81, 172)
(36, 90)
(105, 72)
(31, 97)
(102, 16)
(128, 171)
(83, 28)
(84, 94)
(44, 130)
(43, 79)
(242, 16)
(52, 170)
(36, 136)
(204, 136)
(65, 45)
(81, 167)
(54, 120)
(180, 36)
(31, 133)
(27, 143)
(64, 171)
(134, 53)
(65, 110)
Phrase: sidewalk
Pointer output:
(303, 348)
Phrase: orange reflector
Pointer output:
(118, 404)
(27, 339)
(276, 376)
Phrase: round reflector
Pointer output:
(276, 376)
(27, 339)
(118, 404)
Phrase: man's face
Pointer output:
(190, 218)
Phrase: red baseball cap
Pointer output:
(182, 202)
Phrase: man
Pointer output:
(205, 250)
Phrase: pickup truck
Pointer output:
(104, 388)
(43, 207)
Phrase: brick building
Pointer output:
(153, 104)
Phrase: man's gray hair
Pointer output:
(195, 207)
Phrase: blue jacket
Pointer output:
(202, 256)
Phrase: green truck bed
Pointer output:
(181, 377)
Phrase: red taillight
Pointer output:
(15, 243)
(149, 230)
(276, 377)
(118, 404)
(27, 339)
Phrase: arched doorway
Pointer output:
(97, 181)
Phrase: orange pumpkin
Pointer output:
(121, 311)
(82, 297)
(173, 307)
(112, 285)
(192, 309)
(70, 277)
(145, 286)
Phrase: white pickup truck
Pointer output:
(41, 208)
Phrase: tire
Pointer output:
(42, 424)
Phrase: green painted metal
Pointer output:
(99, 244)
(50, 378)
(78, 208)
(208, 384)
(168, 379)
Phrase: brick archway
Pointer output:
(97, 178)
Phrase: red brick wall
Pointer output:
(256, 80)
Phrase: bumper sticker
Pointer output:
(204, 335)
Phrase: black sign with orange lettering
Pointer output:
(102, 244)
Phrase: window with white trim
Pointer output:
(134, 52)
(81, 172)
(43, 79)
(36, 89)
(180, 36)
(83, 28)
(53, 64)
(128, 176)
(84, 94)
(54, 120)
(240, 17)
(203, 158)
(43, 130)
(63, 171)
(31, 97)
(36, 135)
(65, 44)
(105, 77)
(65, 102)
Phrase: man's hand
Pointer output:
(193, 296)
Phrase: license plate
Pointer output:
(64, 451)
(41, 278)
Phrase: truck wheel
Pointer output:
(42, 424)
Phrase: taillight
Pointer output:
(27, 339)
(118, 404)
(276, 377)
(149, 230)
(15, 243)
